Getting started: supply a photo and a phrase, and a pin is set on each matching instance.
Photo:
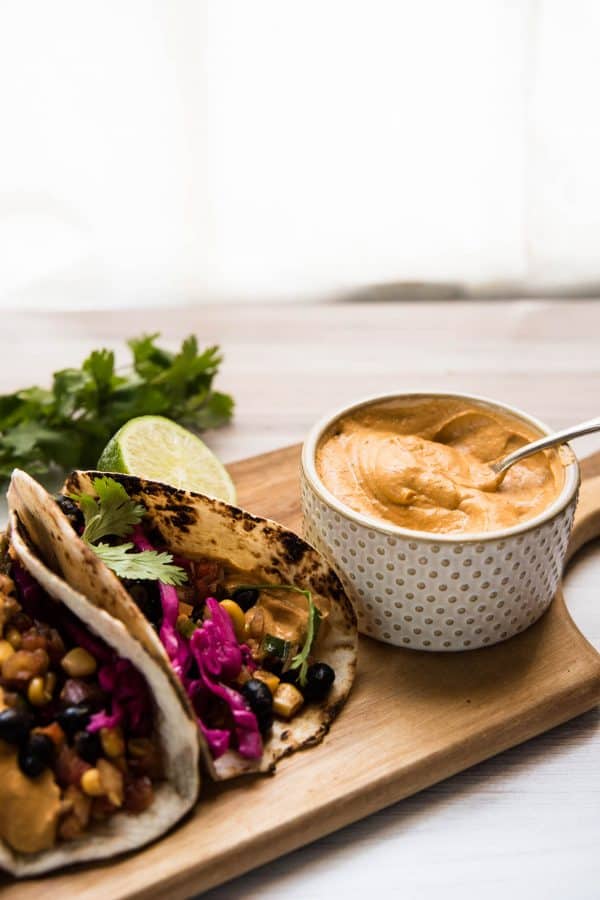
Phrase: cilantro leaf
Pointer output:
(149, 564)
(300, 661)
(113, 513)
(69, 425)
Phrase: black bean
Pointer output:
(35, 755)
(197, 613)
(274, 665)
(265, 721)
(15, 724)
(245, 597)
(88, 746)
(319, 679)
(146, 595)
(73, 719)
(259, 697)
(71, 511)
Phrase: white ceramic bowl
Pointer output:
(437, 591)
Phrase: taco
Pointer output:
(250, 618)
(98, 752)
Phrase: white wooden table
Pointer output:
(527, 823)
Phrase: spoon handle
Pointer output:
(551, 440)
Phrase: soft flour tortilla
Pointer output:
(198, 527)
(177, 731)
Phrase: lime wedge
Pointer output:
(157, 448)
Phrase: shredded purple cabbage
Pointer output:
(172, 641)
(31, 595)
(219, 658)
(217, 739)
(129, 698)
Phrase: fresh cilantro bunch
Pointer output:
(69, 425)
(113, 514)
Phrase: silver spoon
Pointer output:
(560, 437)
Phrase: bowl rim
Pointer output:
(308, 464)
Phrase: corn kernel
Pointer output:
(287, 701)
(269, 678)
(38, 693)
(112, 741)
(112, 781)
(14, 638)
(6, 650)
(237, 616)
(78, 663)
(91, 783)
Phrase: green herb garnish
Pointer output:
(114, 514)
(300, 661)
(69, 425)
(148, 564)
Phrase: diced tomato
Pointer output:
(69, 767)
(207, 575)
(139, 794)
(54, 732)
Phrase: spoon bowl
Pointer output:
(550, 440)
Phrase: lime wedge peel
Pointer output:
(157, 448)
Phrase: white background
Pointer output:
(161, 151)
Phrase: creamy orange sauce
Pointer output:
(424, 464)
(30, 806)
(283, 614)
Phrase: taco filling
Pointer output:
(245, 650)
(77, 732)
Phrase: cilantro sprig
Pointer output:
(300, 661)
(113, 513)
(68, 425)
(149, 564)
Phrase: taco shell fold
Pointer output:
(177, 732)
(198, 527)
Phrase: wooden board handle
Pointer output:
(587, 517)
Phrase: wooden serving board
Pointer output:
(413, 719)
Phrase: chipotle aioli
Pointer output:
(30, 806)
(424, 464)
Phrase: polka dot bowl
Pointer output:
(440, 592)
